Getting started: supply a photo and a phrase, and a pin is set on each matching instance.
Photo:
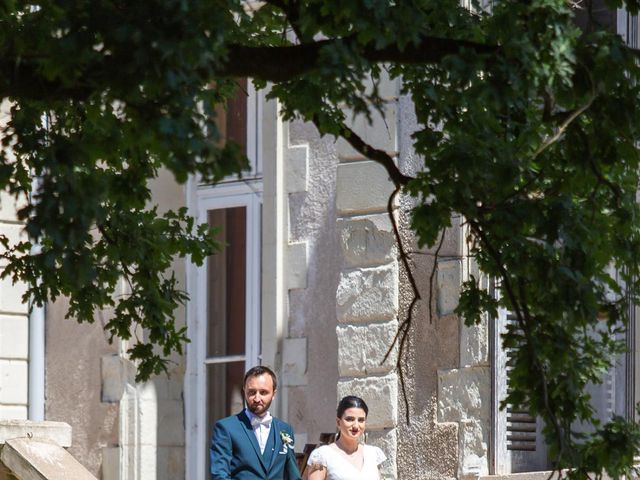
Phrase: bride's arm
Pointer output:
(316, 472)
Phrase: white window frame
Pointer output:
(229, 193)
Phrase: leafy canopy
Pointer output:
(529, 130)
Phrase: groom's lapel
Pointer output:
(277, 442)
(246, 427)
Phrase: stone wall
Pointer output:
(446, 363)
(121, 430)
(310, 365)
(14, 320)
(367, 292)
(14, 328)
(73, 384)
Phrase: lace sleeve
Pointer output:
(317, 458)
(380, 456)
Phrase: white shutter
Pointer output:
(608, 398)
(518, 443)
(613, 396)
(627, 27)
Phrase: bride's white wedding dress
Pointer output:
(339, 468)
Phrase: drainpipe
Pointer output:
(36, 362)
(36, 334)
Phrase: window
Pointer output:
(517, 440)
(224, 311)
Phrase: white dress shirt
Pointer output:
(261, 427)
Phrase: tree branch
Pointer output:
(403, 330)
(20, 77)
(278, 64)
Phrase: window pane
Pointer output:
(227, 284)
(224, 393)
(237, 115)
(224, 390)
(231, 118)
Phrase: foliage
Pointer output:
(529, 130)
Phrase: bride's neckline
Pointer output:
(349, 457)
(341, 447)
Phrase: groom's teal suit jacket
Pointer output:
(235, 453)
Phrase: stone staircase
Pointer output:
(36, 451)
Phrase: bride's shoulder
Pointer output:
(322, 450)
(320, 454)
(376, 453)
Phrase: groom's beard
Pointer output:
(259, 409)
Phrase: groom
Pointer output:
(253, 445)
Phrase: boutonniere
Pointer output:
(287, 442)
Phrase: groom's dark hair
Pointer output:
(260, 370)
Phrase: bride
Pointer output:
(347, 458)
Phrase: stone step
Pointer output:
(58, 432)
(41, 459)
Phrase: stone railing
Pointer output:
(36, 451)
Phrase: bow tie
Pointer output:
(266, 421)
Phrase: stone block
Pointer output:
(111, 463)
(14, 232)
(5, 473)
(14, 412)
(368, 294)
(9, 206)
(367, 241)
(116, 372)
(170, 463)
(448, 283)
(381, 395)
(144, 414)
(388, 89)
(297, 168)
(464, 394)
(387, 441)
(363, 347)
(42, 459)
(167, 387)
(297, 265)
(11, 297)
(170, 424)
(58, 432)
(474, 344)
(380, 133)
(14, 337)
(453, 244)
(474, 453)
(146, 458)
(294, 361)
(146, 392)
(13, 382)
(362, 187)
